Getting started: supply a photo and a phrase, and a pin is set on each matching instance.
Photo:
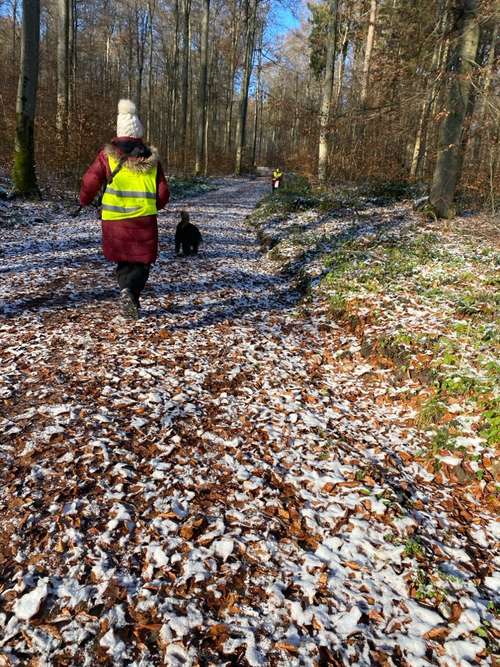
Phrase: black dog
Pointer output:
(187, 235)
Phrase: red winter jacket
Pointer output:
(131, 239)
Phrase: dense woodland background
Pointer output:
(360, 91)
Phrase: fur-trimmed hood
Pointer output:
(145, 159)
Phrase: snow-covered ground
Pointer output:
(214, 484)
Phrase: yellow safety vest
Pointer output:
(277, 174)
(131, 194)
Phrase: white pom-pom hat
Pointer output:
(128, 123)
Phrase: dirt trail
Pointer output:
(212, 484)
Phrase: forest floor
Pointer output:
(236, 478)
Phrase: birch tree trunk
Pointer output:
(62, 70)
(343, 55)
(23, 173)
(326, 93)
(142, 19)
(370, 38)
(202, 93)
(447, 169)
(250, 16)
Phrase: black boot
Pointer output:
(129, 304)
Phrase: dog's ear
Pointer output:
(184, 216)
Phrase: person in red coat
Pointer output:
(135, 189)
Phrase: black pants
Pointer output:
(132, 276)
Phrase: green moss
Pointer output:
(190, 187)
(490, 422)
(460, 385)
(482, 304)
(23, 171)
(412, 548)
(431, 412)
(338, 305)
(442, 439)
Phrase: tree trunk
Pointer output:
(343, 55)
(446, 172)
(71, 60)
(62, 70)
(190, 142)
(130, 58)
(186, 10)
(174, 91)
(151, 12)
(142, 19)
(326, 93)
(429, 94)
(250, 17)
(14, 36)
(23, 173)
(370, 38)
(295, 126)
(228, 130)
(487, 79)
(202, 93)
(257, 99)
(205, 129)
(443, 59)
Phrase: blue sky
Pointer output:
(286, 18)
(283, 20)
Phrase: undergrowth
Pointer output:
(422, 298)
(452, 353)
(189, 187)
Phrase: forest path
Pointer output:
(212, 484)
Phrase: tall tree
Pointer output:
(449, 158)
(235, 19)
(343, 55)
(202, 93)
(14, 30)
(63, 12)
(433, 85)
(258, 94)
(142, 17)
(250, 27)
(24, 174)
(370, 38)
(327, 92)
(486, 84)
(174, 82)
(186, 14)
(151, 13)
